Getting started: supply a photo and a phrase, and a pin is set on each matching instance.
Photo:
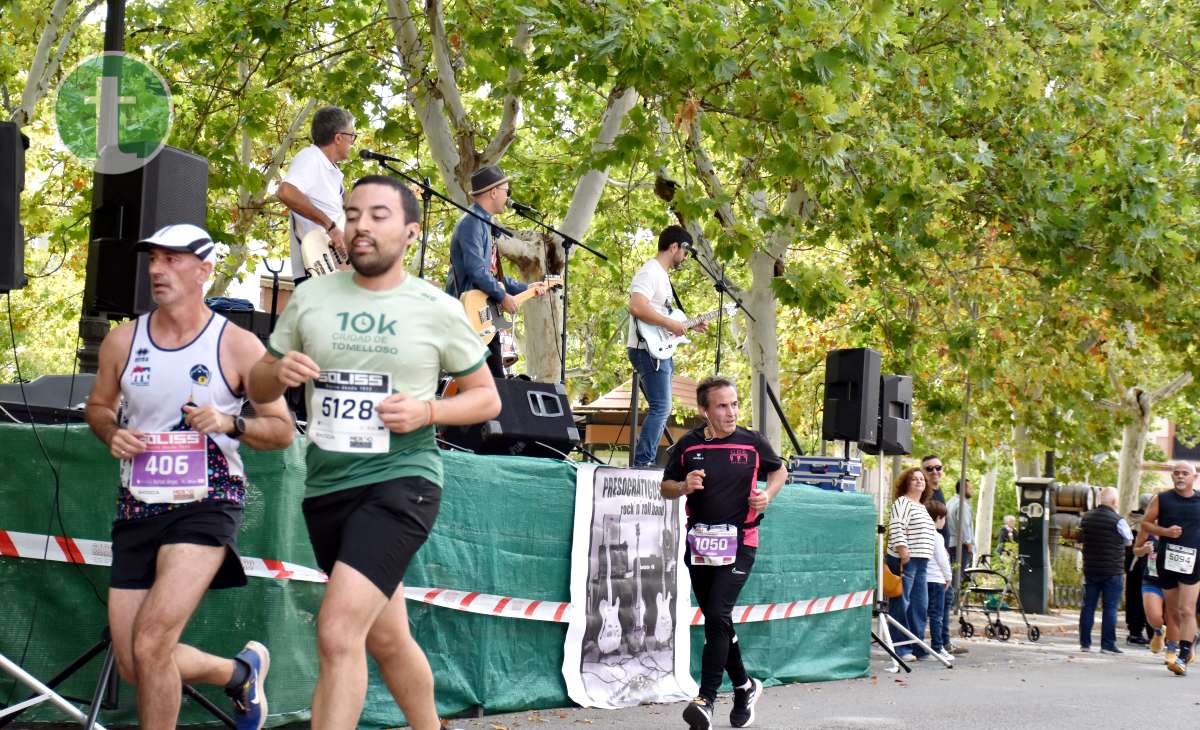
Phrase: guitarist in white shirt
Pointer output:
(312, 189)
(649, 295)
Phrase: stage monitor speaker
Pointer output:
(895, 416)
(171, 188)
(12, 181)
(535, 420)
(851, 396)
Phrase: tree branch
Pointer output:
(1113, 380)
(447, 83)
(430, 110)
(38, 82)
(708, 174)
(591, 186)
(1171, 388)
(249, 209)
(511, 116)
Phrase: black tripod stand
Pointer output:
(106, 695)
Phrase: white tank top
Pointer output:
(158, 382)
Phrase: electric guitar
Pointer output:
(610, 622)
(487, 317)
(317, 252)
(637, 636)
(661, 344)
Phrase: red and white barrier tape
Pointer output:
(94, 552)
(795, 609)
(491, 605)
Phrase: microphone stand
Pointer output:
(567, 243)
(721, 284)
(427, 195)
(426, 199)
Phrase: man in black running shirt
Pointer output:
(1174, 517)
(717, 469)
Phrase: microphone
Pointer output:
(523, 209)
(369, 155)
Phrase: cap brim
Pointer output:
(501, 181)
(146, 244)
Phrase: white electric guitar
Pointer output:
(609, 639)
(661, 344)
(318, 252)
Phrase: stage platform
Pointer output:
(504, 528)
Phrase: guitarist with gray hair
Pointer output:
(312, 189)
(649, 303)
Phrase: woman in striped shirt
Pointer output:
(911, 536)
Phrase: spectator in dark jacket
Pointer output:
(1105, 535)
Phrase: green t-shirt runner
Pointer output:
(408, 333)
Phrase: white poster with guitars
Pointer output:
(628, 640)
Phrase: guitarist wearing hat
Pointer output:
(474, 258)
(649, 298)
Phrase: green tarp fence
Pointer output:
(504, 528)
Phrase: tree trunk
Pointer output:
(543, 316)
(762, 345)
(984, 512)
(1138, 407)
(762, 336)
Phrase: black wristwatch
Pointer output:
(239, 427)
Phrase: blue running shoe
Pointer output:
(250, 699)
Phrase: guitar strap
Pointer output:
(675, 295)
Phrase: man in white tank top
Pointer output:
(167, 402)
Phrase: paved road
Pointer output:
(1048, 684)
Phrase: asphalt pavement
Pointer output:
(1014, 684)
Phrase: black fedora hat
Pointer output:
(486, 178)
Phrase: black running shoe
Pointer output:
(698, 714)
(742, 714)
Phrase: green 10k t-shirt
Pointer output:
(410, 333)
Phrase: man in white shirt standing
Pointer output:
(649, 297)
(312, 188)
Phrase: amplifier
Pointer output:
(535, 420)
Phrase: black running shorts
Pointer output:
(135, 543)
(375, 529)
(1169, 579)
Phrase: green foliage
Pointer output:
(994, 189)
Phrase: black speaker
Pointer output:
(12, 181)
(535, 420)
(895, 416)
(851, 396)
(171, 188)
